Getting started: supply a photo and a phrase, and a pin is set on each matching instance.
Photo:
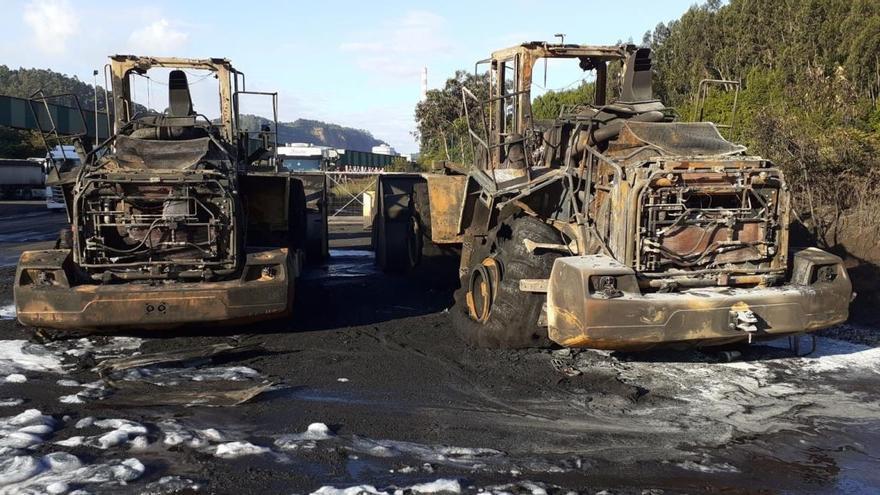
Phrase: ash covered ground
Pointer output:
(366, 388)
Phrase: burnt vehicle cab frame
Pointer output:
(174, 219)
(612, 225)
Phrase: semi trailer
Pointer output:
(21, 178)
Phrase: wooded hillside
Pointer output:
(23, 83)
(316, 132)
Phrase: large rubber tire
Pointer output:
(398, 242)
(512, 321)
(422, 207)
(402, 245)
(317, 247)
(318, 231)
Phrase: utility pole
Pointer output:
(424, 83)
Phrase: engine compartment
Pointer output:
(157, 226)
(703, 221)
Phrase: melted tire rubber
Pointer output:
(512, 320)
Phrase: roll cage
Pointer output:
(507, 118)
(253, 144)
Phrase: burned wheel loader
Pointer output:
(611, 226)
(175, 219)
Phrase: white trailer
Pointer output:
(20, 179)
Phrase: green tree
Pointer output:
(548, 105)
(441, 122)
(20, 144)
(25, 82)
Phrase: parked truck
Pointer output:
(309, 163)
(611, 226)
(175, 219)
(20, 178)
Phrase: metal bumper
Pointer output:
(44, 296)
(580, 316)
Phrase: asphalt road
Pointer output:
(27, 225)
(371, 387)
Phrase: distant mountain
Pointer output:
(317, 133)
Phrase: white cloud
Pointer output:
(402, 46)
(397, 50)
(52, 22)
(158, 38)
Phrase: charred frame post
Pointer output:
(601, 82)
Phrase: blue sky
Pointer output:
(354, 63)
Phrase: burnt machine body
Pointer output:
(621, 227)
(176, 218)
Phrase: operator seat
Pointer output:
(178, 122)
(179, 98)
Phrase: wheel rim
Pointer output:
(482, 284)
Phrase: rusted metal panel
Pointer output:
(446, 195)
(534, 285)
(692, 240)
(263, 291)
(540, 49)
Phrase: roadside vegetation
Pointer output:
(441, 121)
(23, 83)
